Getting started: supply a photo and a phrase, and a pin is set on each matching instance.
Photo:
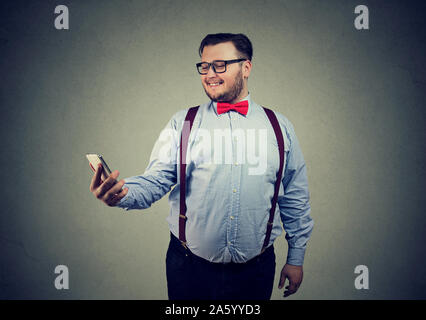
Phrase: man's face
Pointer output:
(230, 85)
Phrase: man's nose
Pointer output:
(211, 72)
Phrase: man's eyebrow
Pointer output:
(213, 61)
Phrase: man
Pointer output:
(220, 245)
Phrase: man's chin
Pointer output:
(218, 97)
(214, 97)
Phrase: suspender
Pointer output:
(280, 140)
(186, 130)
(189, 119)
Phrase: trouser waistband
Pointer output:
(177, 244)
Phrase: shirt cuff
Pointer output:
(295, 256)
(126, 202)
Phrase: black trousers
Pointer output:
(192, 277)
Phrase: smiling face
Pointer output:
(230, 86)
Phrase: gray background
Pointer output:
(110, 84)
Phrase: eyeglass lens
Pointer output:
(218, 66)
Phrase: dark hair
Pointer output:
(240, 41)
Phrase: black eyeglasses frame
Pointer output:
(211, 64)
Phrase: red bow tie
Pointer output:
(241, 107)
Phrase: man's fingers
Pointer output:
(116, 188)
(107, 184)
(282, 281)
(291, 288)
(294, 274)
(96, 179)
(115, 199)
(109, 191)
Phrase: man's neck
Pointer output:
(242, 96)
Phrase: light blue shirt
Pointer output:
(232, 162)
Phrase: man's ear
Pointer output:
(246, 68)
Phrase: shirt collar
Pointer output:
(213, 105)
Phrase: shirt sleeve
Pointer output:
(159, 176)
(294, 204)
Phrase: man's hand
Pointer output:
(109, 191)
(294, 275)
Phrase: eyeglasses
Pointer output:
(219, 66)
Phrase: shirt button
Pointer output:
(234, 190)
(236, 163)
(229, 243)
(232, 217)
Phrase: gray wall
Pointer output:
(109, 85)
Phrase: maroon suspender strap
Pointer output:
(280, 140)
(186, 130)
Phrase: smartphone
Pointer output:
(94, 160)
